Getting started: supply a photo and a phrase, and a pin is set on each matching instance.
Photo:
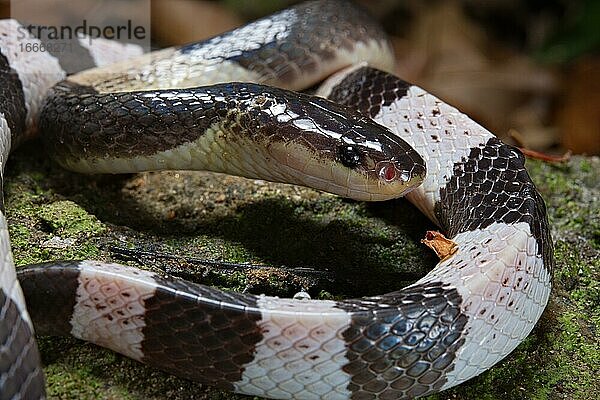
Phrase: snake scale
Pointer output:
(464, 316)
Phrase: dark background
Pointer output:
(526, 69)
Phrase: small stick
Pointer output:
(546, 157)
(517, 137)
(138, 254)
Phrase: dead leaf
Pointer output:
(443, 247)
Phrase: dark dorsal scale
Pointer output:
(12, 99)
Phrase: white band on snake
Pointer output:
(156, 112)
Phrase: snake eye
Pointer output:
(388, 172)
(349, 155)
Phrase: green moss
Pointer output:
(42, 228)
(572, 194)
(577, 369)
(67, 219)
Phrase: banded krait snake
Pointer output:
(464, 316)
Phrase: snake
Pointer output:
(231, 104)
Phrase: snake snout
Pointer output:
(390, 167)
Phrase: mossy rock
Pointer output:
(146, 219)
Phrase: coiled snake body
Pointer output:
(464, 316)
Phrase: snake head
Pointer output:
(379, 166)
(332, 148)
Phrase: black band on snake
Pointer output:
(375, 138)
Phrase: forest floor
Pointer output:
(354, 249)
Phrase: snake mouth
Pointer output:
(384, 181)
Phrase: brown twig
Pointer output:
(537, 155)
(546, 157)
